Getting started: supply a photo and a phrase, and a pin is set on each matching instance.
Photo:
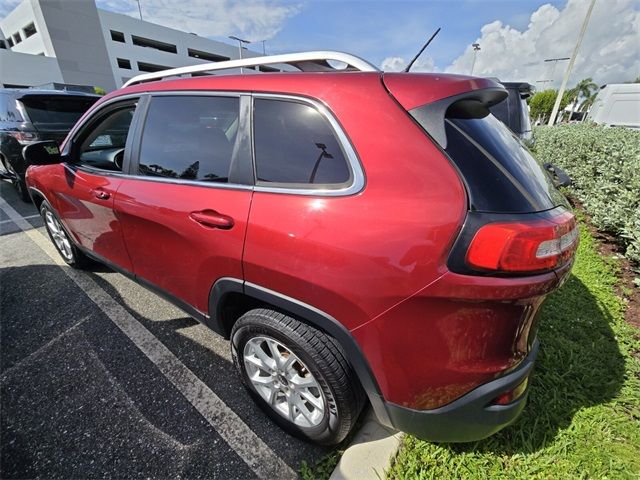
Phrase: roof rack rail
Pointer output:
(304, 61)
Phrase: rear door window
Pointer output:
(189, 138)
(295, 146)
(500, 173)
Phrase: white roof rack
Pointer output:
(304, 61)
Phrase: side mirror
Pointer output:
(42, 153)
(559, 176)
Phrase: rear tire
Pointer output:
(298, 375)
(18, 183)
(61, 239)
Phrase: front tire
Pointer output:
(61, 240)
(298, 375)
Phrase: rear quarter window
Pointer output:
(296, 146)
(8, 109)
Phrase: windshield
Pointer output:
(59, 111)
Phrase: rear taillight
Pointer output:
(24, 138)
(535, 246)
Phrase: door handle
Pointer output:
(213, 219)
(101, 194)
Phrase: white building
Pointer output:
(74, 42)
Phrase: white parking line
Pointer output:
(26, 218)
(256, 454)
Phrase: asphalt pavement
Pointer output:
(101, 378)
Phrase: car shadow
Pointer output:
(58, 314)
(208, 356)
(579, 366)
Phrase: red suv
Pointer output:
(357, 235)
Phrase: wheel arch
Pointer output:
(37, 197)
(230, 298)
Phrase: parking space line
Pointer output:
(26, 218)
(255, 453)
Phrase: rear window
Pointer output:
(58, 111)
(500, 173)
(501, 111)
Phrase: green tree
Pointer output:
(541, 104)
(100, 90)
(587, 102)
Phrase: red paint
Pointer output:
(417, 89)
(170, 249)
(90, 219)
(376, 260)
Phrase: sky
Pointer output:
(515, 36)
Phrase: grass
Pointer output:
(583, 415)
(323, 468)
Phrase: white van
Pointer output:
(617, 105)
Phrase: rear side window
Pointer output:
(58, 111)
(296, 146)
(189, 138)
(500, 173)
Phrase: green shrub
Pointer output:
(604, 164)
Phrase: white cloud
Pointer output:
(251, 19)
(397, 64)
(610, 51)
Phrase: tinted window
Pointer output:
(189, 137)
(59, 111)
(104, 143)
(500, 173)
(501, 111)
(8, 110)
(295, 144)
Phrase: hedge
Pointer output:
(604, 164)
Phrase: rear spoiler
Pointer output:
(432, 115)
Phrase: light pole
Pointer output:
(476, 47)
(553, 67)
(556, 106)
(139, 9)
(240, 42)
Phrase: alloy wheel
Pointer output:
(284, 381)
(59, 236)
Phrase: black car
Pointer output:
(29, 115)
(513, 111)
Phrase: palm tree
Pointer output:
(587, 102)
(582, 89)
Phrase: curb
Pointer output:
(370, 453)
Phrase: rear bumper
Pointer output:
(470, 417)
